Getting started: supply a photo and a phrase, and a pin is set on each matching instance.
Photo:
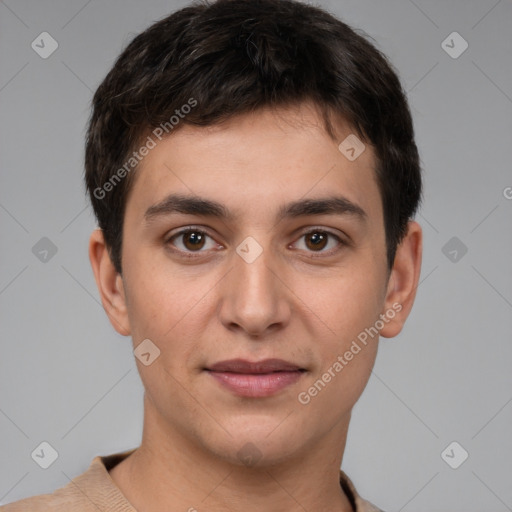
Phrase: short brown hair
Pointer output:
(237, 56)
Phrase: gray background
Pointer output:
(67, 378)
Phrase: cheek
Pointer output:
(159, 297)
(332, 393)
(172, 311)
(349, 304)
(348, 350)
(350, 308)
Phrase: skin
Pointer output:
(297, 301)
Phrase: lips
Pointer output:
(255, 379)
(265, 366)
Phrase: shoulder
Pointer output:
(359, 504)
(60, 501)
(91, 491)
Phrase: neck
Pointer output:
(173, 471)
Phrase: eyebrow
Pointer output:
(194, 205)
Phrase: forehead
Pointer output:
(255, 163)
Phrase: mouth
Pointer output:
(255, 379)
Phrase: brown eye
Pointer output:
(191, 240)
(316, 240)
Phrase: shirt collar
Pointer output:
(98, 473)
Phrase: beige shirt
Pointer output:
(95, 491)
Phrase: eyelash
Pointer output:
(195, 254)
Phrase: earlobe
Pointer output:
(109, 283)
(403, 281)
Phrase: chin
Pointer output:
(260, 446)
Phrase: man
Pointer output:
(254, 174)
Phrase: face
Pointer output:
(284, 258)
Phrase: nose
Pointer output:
(254, 298)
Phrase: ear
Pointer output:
(109, 283)
(403, 281)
